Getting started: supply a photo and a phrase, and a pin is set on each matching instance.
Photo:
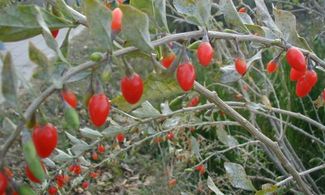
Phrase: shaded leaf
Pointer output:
(8, 126)
(99, 19)
(12, 18)
(73, 139)
(49, 163)
(171, 122)
(156, 11)
(37, 56)
(135, 28)
(9, 80)
(195, 148)
(238, 177)
(213, 187)
(231, 15)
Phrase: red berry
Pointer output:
(117, 15)
(172, 183)
(70, 98)
(194, 101)
(98, 109)
(8, 172)
(132, 88)
(60, 180)
(55, 33)
(205, 53)
(241, 66)
(186, 76)
(303, 87)
(85, 184)
(170, 136)
(3, 183)
(157, 140)
(94, 156)
(120, 137)
(52, 190)
(45, 139)
(101, 148)
(296, 59)
(77, 169)
(200, 169)
(311, 77)
(295, 75)
(242, 10)
(93, 175)
(168, 60)
(31, 176)
(272, 66)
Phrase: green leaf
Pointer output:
(37, 56)
(49, 39)
(146, 110)
(135, 28)
(158, 83)
(99, 19)
(25, 190)
(9, 80)
(31, 156)
(264, 16)
(231, 15)
(195, 148)
(65, 45)
(213, 187)
(62, 156)
(238, 177)
(226, 139)
(20, 22)
(156, 11)
(90, 133)
(286, 22)
(196, 11)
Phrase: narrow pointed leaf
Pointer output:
(37, 56)
(9, 80)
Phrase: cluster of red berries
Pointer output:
(5, 177)
(305, 76)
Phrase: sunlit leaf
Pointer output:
(213, 187)
(146, 110)
(238, 177)
(225, 138)
(62, 156)
(90, 133)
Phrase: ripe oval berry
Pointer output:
(101, 148)
(120, 137)
(52, 190)
(311, 77)
(31, 176)
(186, 76)
(170, 136)
(296, 59)
(117, 15)
(85, 184)
(295, 75)
(98, 109)
(272, 66)
(168, 60)
(70, 98)
(194, 101)
(242, 10)
(200, 169)
(94, 156)
(205, 53)
(303, 87)
(241, 66)
(45, 139)
(55, 33)
(3, 183)
(132, 88)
